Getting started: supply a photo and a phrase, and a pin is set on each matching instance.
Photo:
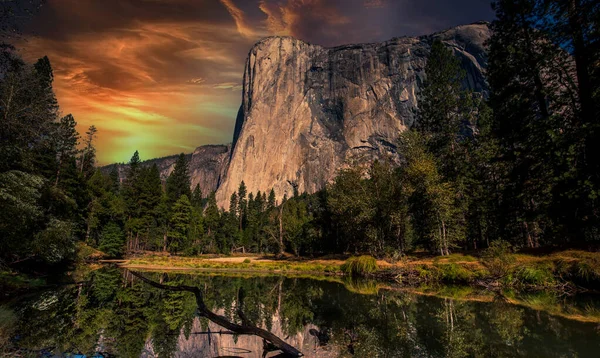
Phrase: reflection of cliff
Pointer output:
(220, 345)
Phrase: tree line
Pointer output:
(520, 163)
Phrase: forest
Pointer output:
(518, 165)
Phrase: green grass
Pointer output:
(538, 275)
(360, 266)
(455, 273)
(453, 258)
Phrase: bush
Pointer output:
(359, 266)
(56, 243)
(246, 261)
(498, 257)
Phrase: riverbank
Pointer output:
(564, 270)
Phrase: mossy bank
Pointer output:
(564, 270)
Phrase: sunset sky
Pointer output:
(164, 76)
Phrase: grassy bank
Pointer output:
(571, 269)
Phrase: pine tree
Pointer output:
(88, 154)
(271, 200)
(197, 198)
(179, 182)
(66, 141)
(242, 204)
(533, 125)
(181, 216)
(132, 187)
(233, 206)
(112, 240)
(115, 180)
(211, 219)
(441, 107)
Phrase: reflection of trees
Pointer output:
(123, 314)
(507, 321)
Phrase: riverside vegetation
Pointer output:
(517, 168)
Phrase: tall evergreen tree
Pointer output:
(242, 204)
(535, 128)
(197, 197)
(66, 140)
(211, 220)
(88, 153)
(181, 217)
(271, 200)
(179, 182)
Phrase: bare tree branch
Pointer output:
(246, 328)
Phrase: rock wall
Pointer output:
(308, 110)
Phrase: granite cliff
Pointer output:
(308, 110)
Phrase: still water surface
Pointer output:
(112, 313)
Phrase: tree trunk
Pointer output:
(527, 235)
(445, 238)
(576, 23)
(58, 171)
(281, 229)
(539, 87)
(165, 241)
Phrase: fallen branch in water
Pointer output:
(245, 328)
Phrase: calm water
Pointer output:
(115, 313)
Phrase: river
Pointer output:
(111, 312)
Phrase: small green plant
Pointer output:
(247, 261)
(498, 257)
(359, 266)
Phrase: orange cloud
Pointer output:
(287, 17)
(238, 16)
(165, 76)
(148, 87)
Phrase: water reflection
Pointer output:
(116, 314)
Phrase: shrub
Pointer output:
(359, 266)
(246, 261)
(498, 257)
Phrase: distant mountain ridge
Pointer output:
(308, 111)
(207, 164)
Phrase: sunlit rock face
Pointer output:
(207, 165)
(308, 111)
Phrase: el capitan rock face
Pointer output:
(308, 110)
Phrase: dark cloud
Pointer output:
(162, 75)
